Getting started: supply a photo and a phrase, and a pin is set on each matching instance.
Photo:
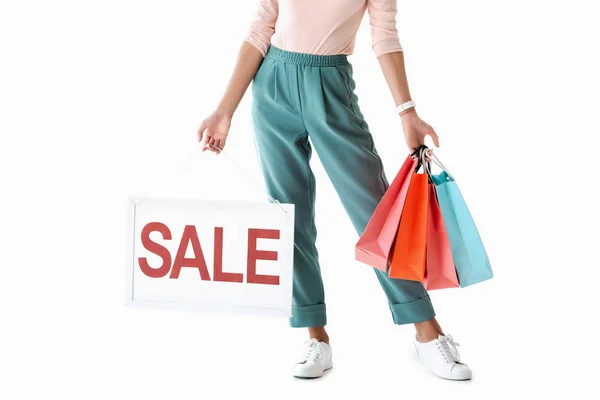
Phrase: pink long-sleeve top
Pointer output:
(323, 27)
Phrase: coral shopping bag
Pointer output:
(440, 272)
(373, 246)
(470, 258)
(409, 253)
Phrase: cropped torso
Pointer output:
(323, 27)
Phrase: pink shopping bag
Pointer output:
(373, 246)
(440, 272)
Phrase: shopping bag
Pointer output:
(228, 256)
(440, 272)
(469, 255)
(409, 251)
(373, 246)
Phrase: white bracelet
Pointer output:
(405, 106)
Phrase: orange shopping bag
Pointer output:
(440, 272)
(409, 252)
(373, 246)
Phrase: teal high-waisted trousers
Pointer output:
(300, 96)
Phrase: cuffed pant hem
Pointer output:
(308, 316)
(414, 311)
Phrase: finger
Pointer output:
(219, 144)
(210, 142)
(207, 135)
(436, 139)
(205, 143)
(428, 154)
(201, 130)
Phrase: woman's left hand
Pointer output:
(415, 130)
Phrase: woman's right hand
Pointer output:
(214, 130)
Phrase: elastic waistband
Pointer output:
(312, 60)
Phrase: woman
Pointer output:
(303, 88)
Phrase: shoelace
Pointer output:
(313, 350)
(449, 348)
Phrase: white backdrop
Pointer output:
(100, 100)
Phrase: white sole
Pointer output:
(466, 377)
(327, 368)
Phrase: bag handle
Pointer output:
(437, 162)
(250, 179)
(419, 154)
(423, 153)
(426, 164)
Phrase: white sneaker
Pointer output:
(315, 360)
(441, 357)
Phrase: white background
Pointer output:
(100, 100)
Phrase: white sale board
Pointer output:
(227, 256)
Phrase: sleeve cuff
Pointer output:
(259, 44)
(386, 46)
